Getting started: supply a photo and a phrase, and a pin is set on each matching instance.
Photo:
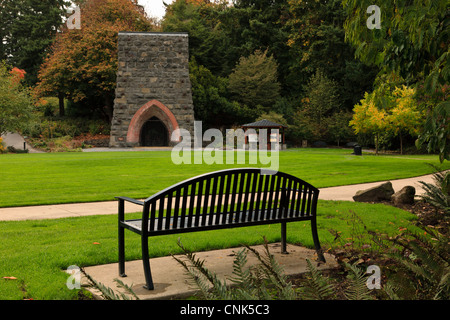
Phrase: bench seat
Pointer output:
(135, 225)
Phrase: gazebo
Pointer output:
(271, 137)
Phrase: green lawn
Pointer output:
(36, 179)
(36, 252)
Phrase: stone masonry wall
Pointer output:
(151, 66)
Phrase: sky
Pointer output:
(154, 8)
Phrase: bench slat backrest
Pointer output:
(227, 197)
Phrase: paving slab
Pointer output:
(171, 281)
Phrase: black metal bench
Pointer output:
(222, 199)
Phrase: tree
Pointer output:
(390, 108)
(15, 101)
(436, 130)
(27, 29)
(211, 99)
(251, 25)
(317, 39)
(313, 120)
(338, 126)
(254, 81)
(404, 116)
(367, 118)
(82, 64)
(413, 42)
(207, 41)
(322, 96)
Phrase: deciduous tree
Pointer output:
(15, 100)
(390, 108)
(412, 41)
(82, 64)
(404, 116)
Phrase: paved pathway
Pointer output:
(17, 141)
(343, 193)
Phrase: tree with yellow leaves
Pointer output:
(405, 116)
(367, 118)
(388, 109)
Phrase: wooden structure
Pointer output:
(272, 137)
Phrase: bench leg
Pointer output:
(283, 238)
(146, 261)
(316, 240)
(121, 237)
(122, 252)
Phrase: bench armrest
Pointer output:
(131, 200)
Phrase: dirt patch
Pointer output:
(98, 140)
(427, 214)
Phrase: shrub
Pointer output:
(423, 270)
(438, 194)
(2, 147)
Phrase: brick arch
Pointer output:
(153, 108)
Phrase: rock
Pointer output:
(379, 193)
(320, 144)
(404, 196)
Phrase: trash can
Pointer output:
(357, 150)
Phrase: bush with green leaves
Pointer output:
(16, 104)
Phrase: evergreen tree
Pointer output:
(317, 39)
(254, 81)
(28, 28)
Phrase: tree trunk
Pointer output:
(109, 106)
(376, 144)
(401, 143)
(61, 104)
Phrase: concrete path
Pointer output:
(344, 193)
(18, 142)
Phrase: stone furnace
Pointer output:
(153, 93)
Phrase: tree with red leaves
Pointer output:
(15, 101)
(82, 65)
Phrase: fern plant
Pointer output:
(424, 266)
(357, 288)
(438, 194)
(316, 286)
(202, 277)
(266, 280)
(260, 282)
(107, 293)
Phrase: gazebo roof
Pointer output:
(263, 124)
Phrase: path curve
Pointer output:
(17, 141)
(342, 193)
